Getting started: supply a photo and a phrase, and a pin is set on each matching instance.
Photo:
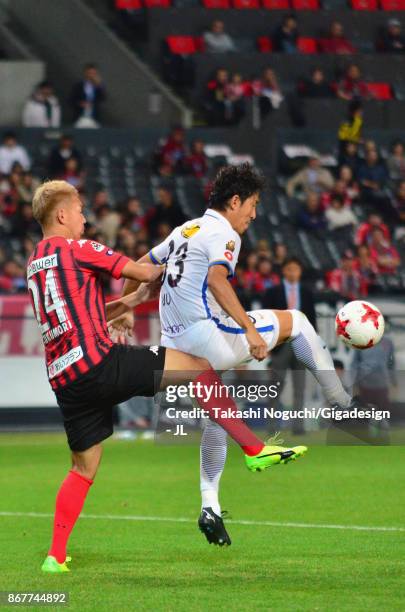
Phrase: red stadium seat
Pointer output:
(199, 44)
(276, 5)
(393, 5)
(246, 4)
(307, 45)
(182, 45)
(305, 5)
(157, 3)
(264, 44)
(122, 5)
(380, 91)
(365, 5)
(217, 4)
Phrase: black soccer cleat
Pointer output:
(212, 526)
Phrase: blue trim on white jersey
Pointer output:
(204, 297)
(225, 263)
(153, 258)
(239, 330)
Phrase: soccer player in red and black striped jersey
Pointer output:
(88, 373)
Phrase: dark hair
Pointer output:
(338, 364)
(336, 197)
(242, 180)
(294, 260)
(8, 135)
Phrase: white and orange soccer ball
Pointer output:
(359, 324)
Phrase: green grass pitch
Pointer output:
(158, 565)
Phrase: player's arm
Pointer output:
(139, 272)
(126, 304)
(226, 297)
(131, 285)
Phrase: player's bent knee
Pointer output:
(285, 320)
(86, 462)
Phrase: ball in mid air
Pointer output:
(359, 324)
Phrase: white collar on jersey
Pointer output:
(210, 212)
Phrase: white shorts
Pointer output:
(223, 343)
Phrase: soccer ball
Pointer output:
(359, 324)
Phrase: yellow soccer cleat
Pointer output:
(52, 566)
(272, 455)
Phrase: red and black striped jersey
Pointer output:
(68, 300)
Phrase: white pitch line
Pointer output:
(168, 519)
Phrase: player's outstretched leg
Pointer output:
(311, 350)
(181, 367)
(212, 461)
(69, 503)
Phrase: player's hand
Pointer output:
(257, 345)
(149, 291)
(121, 328)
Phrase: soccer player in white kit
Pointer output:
(201, 314)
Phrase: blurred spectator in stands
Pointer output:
(346, 280)
(235, 92)
(196, 161)
(392, 39)
(316, 86)
(311, 178)
(365, 230)
(13, 277)
(27, 186)
(350, 136)
(280, 255)
(266, 278)
(133, 216)
(286, 35)
(366, 266)
(167, 211)
(23, 222)
(12, 152)
(87, 98)
(42, 109)
(373, 177)
(383, 253)
(373, 373)
(339, 189)
(72, 174)
(336, 42)
(250, 274)
(220, 108)
(338, 215)
(370, 145)
(217, 40)
(63, 151)
(311, 216)
(396, 161)
(263, 248)
(352, 87)
(349, 156)
(238, 283)
(126, 242)
(108, 222)
(170, 156)
(398, 204)
(350, 185)
(268, 91)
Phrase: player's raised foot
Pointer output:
(272, 455)
(212, 526)
(52, 566)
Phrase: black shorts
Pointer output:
(87, 404)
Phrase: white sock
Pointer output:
(212, 461)
(311, 350)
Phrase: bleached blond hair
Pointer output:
(49, 195)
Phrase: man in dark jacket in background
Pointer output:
(290, 294)
(88, 95)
